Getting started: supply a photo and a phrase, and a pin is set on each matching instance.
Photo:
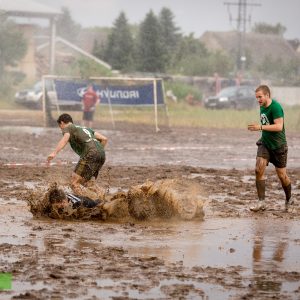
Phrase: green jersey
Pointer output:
(272, 140)
(82, 139)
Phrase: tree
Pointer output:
(13, 47)
(66, 26)
(188, 55)
(151, 54)
(193, 59)
(169, 33)
(119, 50)
(265, 28)
(98, 49)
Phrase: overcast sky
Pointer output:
(195, 16)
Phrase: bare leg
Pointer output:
(260, 167)
(261, 164)
(92, 186)
(285, 182)
(282, 175)
(78, 184)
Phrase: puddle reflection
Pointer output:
(272, 254)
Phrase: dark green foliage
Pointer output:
(265, 28)
(151, 53)
(13, 45)
(12, 48)
(170, 36)
(182, 90)
(192, 58)
(84, 68)
(282, 71)
(66, 27)
(119, 50)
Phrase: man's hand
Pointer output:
(51, 156)
(61, 144)
(254, 127)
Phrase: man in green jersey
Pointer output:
(272, 146)
(89, 145)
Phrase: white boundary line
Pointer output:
(45, 164)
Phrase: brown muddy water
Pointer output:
(231, 254)
(243, 253)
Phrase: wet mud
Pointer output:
(231, 253)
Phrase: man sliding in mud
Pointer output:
(60, 200)
(89, 145)
(59, 204)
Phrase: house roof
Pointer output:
(27, 8)
(259, 45)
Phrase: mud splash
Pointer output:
(163, 199)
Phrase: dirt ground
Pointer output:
(232, 254)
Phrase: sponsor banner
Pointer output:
(117, 95)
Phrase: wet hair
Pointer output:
(66, 118)
(265, 89)
(56, 195)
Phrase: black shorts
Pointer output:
(278, 157)
(90, 165)
(88, 115)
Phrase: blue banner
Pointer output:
(142, 94)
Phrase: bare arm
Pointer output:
(101, 138)
(61, 144)
(277, 126)
(98, 100)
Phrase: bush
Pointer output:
(8, 81)
(183, 90)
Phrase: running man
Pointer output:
(272, 146)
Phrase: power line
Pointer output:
(241, 28)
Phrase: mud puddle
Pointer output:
(211, 259)
(218, 243)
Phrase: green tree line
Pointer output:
(157, 46)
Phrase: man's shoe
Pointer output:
(289, 204)
(260, 206)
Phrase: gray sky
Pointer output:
(195, 16)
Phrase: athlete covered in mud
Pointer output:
(57, 203)
(272, 146)
(61, 200)
(89, 145)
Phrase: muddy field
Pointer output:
(231, 254)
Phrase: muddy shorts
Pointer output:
(90, 165)
(88, 115)
(278, 157)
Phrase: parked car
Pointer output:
(33, 97)
(236, 97)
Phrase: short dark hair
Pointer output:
(56, 195)
(265, 89)
(66, 118)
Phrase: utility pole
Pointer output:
(241, 28)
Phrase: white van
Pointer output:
(33, 97)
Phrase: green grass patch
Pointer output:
(180, 114)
